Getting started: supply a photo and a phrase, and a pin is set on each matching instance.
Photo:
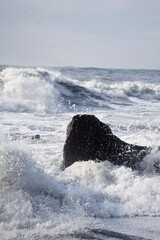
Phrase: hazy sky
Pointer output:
(84, 33)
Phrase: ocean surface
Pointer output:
(88, 200)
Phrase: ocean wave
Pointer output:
(50, 91)
(40, 90)
(27, 90)
(144, 91)
(124, 89)
(39, 200)
(46, 201)
(87, 188)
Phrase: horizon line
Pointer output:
(71, 66)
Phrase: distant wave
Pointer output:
(50, 91)
(144, 91)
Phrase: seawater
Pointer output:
(88, 200)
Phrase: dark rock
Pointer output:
(37, 136)
(90, 139)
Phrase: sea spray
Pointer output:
(50, 91)
(88, 200)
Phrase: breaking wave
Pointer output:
(50, 91)
(87, 200)
(89, 189)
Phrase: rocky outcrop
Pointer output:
(90, 139)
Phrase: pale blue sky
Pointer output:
(83, 33)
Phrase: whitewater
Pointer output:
(88, 200)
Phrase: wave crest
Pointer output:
(49, 91)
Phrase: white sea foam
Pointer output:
(29, 90)
(125, 89)
(116, 191)
(50, 91)
(101, 189)
(40, 201)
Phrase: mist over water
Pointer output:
(88, 200)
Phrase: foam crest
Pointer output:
(28, 90)
(41, 90)
(151, 163)
(146, 91)
(29, 196)
(50, 91)
(18, 168)
(33, 199)
(125, 89)
(115, 191)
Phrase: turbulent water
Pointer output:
(88, 200)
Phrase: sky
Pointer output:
(80, 33)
